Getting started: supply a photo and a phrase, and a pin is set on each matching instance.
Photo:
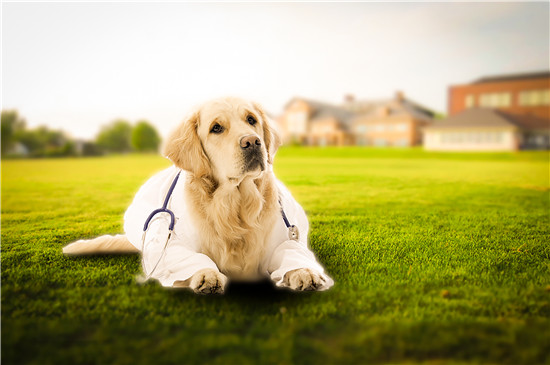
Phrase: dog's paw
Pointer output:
(208, 281)
(304, 279)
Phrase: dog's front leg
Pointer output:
(304, 279)
(205, 281)
(294, 266)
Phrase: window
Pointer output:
(484, 100)
(401, 127)
(495, 100)
(361, 129)
(506, 99)
(469, 101)
(534, 97)
(297, 122)
(402, 142)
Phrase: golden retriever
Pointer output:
(228, 207)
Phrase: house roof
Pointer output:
(349, 111)
(323, 110)
(369, 108)
(530, 122)
(490, 118)
(512, 77)
(320, 110)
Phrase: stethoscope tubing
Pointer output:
(164, 209)
(293, 233)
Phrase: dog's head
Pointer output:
(227, 139)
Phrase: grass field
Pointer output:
(438, 258)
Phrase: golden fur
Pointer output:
(231, 193)
(234, 208)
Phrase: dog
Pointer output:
(231, 213)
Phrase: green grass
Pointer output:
(440, 258)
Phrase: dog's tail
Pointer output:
(102, 245)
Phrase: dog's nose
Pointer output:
(250, 140)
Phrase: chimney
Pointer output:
(399, 96)
(349, 98)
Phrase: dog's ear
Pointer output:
(271, 136)
(184, 148)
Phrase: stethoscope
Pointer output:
(164, 209)
(293, 233)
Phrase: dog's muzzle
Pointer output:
(251, 146)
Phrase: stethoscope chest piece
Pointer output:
(293, 233)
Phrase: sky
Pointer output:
(79, 66)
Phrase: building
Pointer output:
(315, 123)
(498, 113)
(520, 94)
(392, 122)
(485, 129)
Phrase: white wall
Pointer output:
(470, 140)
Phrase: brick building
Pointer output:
(392, 122)
(520, 94)
(498, 113)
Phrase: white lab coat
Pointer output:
(182, 257)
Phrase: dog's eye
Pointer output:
(216, 128)
(251, 120)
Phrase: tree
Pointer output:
(145, 137)
(42, 141)
(115, 137)
(11, 125)
(90, 149)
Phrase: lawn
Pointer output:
(439, 258)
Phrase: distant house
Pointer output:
(314, 123)
(392, 122)
(484, 129)
(497, 113)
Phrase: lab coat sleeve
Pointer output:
(171, 261)
(176, 260)
(288, 255)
